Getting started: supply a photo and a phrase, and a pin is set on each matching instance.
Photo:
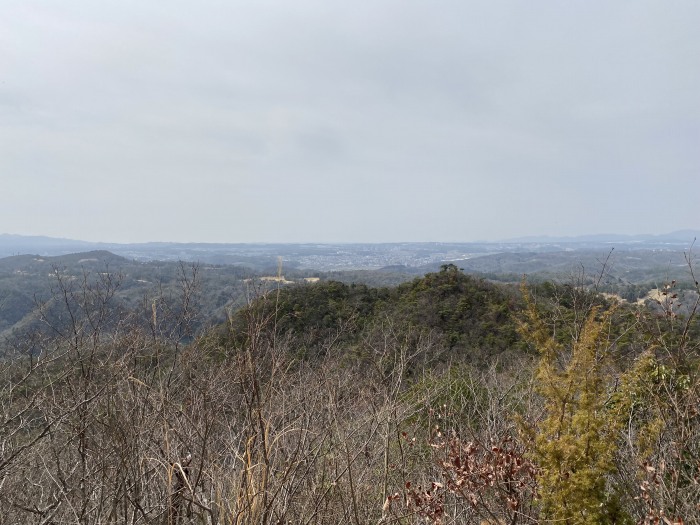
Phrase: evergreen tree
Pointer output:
(575, 443)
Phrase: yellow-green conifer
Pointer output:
(575, 442)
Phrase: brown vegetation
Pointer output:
(110, 416)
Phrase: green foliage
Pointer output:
(576, 442)
(472, 318)
(472, 314)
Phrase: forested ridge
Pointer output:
(446, 399)
(470, 317)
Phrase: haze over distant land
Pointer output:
(323, 121)
(514, 256)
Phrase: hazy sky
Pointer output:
(377, 120)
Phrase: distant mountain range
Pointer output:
(684, 236)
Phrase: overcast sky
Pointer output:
(327, 121)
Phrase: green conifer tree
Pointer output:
(575, 443)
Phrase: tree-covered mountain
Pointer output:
(467, 315)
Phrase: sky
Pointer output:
(338, 121)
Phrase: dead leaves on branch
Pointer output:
(495, 483)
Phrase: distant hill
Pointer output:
(29, 280)
(33, 262)
(22, 244)
(680, 236)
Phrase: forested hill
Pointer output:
(468, 317)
